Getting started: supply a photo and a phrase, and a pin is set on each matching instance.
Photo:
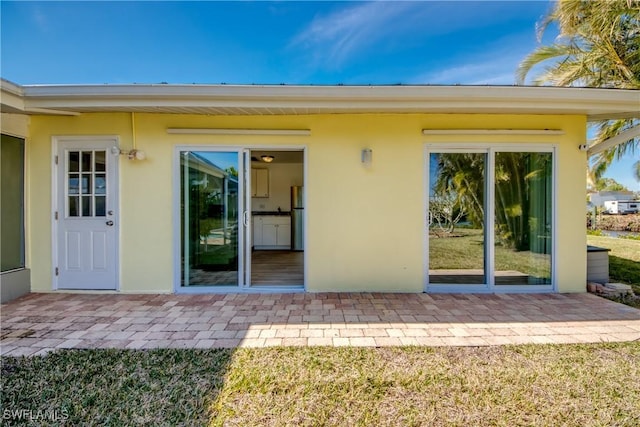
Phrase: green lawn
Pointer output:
(624, 258)
(465, 250)
(546, 385)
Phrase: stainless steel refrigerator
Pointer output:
(297, 218)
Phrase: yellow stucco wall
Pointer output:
(364, 224)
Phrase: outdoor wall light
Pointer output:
(131, 154)
(366, 157)
(267, 158)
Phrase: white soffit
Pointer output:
(596, 104)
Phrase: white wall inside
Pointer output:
(281, 178)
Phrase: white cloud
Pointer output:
(485, 72)
(495, 66)
(333, 38)
(40, 19)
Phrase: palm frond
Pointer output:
(598, 45)
(603, 36)
(540, 55)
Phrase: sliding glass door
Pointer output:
(211, 209)
(523, 218)
(457, 230)
(490, 220)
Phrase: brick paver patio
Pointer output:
(39, 323)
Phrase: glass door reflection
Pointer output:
(523, 218)
(456, 217)
(209, 218)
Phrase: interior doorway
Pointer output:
(277, 218)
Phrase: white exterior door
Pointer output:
(86, 214)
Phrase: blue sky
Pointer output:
(418, 42)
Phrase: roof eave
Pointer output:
(596, 104)
(12, 97)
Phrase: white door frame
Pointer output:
(490, 149)
(247, 218)
(177, 237)
(56, 210)
(305, 180)
(244, 218)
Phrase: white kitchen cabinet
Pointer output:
(269, 234)
(257, 231)
(259, 182)
(272, 232)
(283, 234)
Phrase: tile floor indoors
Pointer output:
(38, 323)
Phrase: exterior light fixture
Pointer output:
(267, 158)
(136, 154)
(133, 154)
(366, 157)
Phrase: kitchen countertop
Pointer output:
(271, 213)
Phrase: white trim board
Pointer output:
(485, 132)
(221, 131)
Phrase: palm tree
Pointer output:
(598, 46)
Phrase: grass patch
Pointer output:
(624, 259)
(623, 248)
(630, 236)
(584, 385)
(115, 387)
(465, 250)
(625, 270)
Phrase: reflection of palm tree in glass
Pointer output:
(523, 200)
(520, 180)
(457, 195)
(463, 174)
(522, 221)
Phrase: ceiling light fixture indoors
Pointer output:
(267, 158)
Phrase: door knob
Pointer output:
(109, 223)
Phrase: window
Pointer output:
(490, 216)
(86, 183)
(12, 203)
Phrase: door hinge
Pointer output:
(57, 271)
(56, 215)
(56, 160)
